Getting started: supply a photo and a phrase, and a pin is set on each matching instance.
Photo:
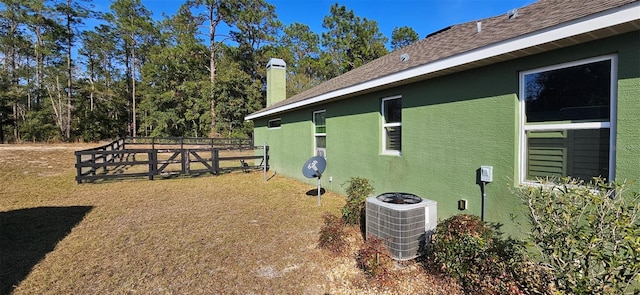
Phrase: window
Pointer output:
(320, 133)
(568, 120)
(274, 123)
(392, 125)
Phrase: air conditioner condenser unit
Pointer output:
(403, 220)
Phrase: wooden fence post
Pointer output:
(184, 160)
(153, 163)
(105, 161)
(119, 146)
(93, 163)
(78, 168)
(215, 161)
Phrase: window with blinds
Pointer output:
(392, 125)
(567, 120)
(320, 133)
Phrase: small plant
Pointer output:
(588, 233)
(357, 192)
(332, 234)
(375, 260)
(469, 250)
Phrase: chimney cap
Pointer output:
(276, 62)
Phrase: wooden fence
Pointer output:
(164, 156)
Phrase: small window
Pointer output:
(320, 133)
(392, 125)
(567, 125)
(274, 123)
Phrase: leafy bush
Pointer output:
(589, 233)
(332, 234)
(375, 260)
(467, 249)
(357, 192)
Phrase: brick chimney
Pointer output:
(276, 81)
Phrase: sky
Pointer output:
(424, 16)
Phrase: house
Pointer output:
(552, 88)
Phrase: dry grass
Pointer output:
(228, 234)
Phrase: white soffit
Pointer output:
(576, 27)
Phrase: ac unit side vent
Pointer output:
(402, 226)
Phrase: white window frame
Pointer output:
(542, 126)
(321, 134)
(384, 149)
(273, 120)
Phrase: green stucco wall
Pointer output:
(451, 126)
(628, 125)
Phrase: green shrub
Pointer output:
(469, 250)
(332, 234)
(459, 245)
(357, 192)
(589, 234)
(375, 260)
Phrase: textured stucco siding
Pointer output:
(628, 125)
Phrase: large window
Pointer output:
(392, 125)
(320, 133)
(568, 120)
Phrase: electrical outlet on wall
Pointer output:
(462, 204)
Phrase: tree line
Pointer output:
(177, 76)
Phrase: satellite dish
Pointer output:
(314, 168)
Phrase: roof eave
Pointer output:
(605, 19)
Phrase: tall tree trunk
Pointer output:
(127, 65)
(13, 67)
(212, 65)
(39, 56)
(133, 81)
(16, 134)
(107, 84)
(69, 72)
(57, 107)
(133, 89)
(93, 90)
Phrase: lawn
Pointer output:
(227, 234)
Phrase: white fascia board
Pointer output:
(595, 22)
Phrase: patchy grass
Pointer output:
(231, 234)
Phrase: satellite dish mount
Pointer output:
(314, 168)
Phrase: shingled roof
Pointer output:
(541, 26)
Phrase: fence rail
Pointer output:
(220, 143)
(151, 157)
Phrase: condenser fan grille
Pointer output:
(399, 198)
